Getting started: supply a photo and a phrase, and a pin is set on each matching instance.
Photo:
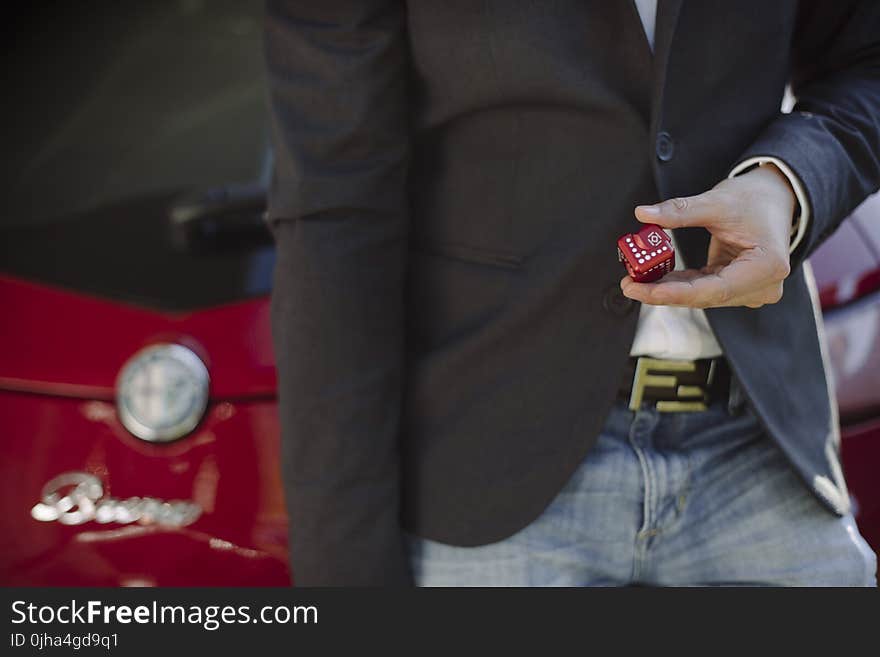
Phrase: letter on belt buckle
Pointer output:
(650, 373)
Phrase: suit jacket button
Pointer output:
(616, 303)
(665, 147)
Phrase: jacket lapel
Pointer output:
(693, 242)
(664, 30)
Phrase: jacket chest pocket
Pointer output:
(454, 292)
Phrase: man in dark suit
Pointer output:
(470, 394)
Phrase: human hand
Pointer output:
(749, 217)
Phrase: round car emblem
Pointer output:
(162, 392)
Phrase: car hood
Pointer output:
(84, 293)
(68, 343)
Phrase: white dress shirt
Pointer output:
(684, 333)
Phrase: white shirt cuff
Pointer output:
(802, 214)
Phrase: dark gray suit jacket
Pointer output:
(450, 180)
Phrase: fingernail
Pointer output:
(649, 209)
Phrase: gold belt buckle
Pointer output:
(656, 373)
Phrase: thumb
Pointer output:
(681, 212)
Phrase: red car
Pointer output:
(137, 383)
(847, 270)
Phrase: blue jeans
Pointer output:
(668, 499)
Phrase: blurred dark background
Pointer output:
(108, 100)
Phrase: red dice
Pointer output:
(648, 255)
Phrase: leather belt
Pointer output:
(675, 386)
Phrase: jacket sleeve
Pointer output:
(338, 79)
(831, 139)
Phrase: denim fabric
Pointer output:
(674, 499)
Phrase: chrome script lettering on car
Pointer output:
(75, 498)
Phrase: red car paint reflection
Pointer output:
(60, 353)
(58, 415)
